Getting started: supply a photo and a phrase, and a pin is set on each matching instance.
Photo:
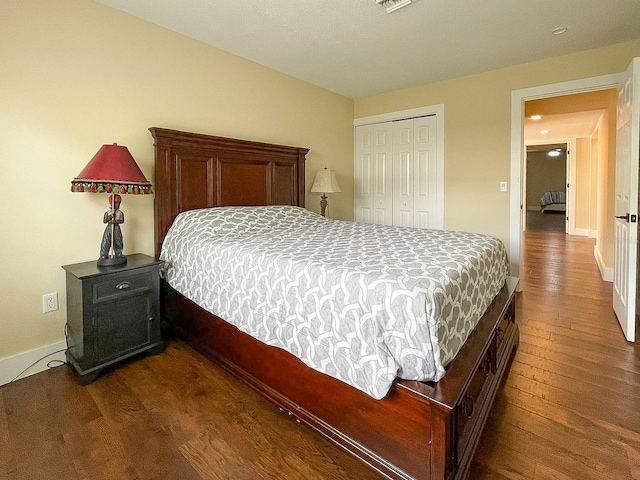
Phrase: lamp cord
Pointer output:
(66, 337)
(40, 359)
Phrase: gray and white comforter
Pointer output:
(362, 303)
(552, 198)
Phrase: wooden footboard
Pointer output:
(418, 431)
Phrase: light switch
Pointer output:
(503, 186)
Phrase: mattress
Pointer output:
(359, 302)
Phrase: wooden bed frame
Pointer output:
(419, 430)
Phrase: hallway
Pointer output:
(569, 408)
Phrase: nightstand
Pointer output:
(113, 313)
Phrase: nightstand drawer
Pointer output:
(118, 285)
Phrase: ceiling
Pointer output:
(547, 147)
(561, 127)
(354, 48)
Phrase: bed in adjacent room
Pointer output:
(553, 202)
(391, 342)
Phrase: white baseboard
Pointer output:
(11, 367)
(582, 232)
(593, 234)
(606, 273)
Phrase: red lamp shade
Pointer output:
(112, 170)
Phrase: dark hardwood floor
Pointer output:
(550, 221)
(568, 409)
(570, 405)
(174, 416)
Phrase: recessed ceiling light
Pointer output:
(544, 132)
(559, 30)
(535, 117)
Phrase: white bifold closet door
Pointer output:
(374, 174)
(396, 181)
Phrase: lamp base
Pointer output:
(323, 205)
(112, 261)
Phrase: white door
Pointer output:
(373, 187)
(403, 171)
(425, 178)
(626, 207)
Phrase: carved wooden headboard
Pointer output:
(199, 171)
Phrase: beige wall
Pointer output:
(583, 182)
(478, 129)
(593, 188)
(544, 174)
(76, 75)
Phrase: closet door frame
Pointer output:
(438, 111)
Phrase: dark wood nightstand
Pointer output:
(112, 313)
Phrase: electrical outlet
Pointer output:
(50, 302)
(503, 186)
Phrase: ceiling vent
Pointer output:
(393, 5)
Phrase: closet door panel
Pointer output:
(364, 175)
(374, 186)
(403, 173)
(425, 180)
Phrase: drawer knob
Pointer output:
(467, 406)
(123, 285)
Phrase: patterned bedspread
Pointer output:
(362, 303)
(551, 198)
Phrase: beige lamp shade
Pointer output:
(325, 182)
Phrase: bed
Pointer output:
(419, 429)
(553, 202)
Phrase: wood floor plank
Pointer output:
(37, 446)
(71, 404)
(97, 453)
(540, 449)
(622, 360)
(116, 402)
(633, 455)
(215, 459)
(543, 472)
(588, 426)
(583, 452)
(590, 373)
(579, 331)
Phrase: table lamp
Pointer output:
(324, 183)
(114, 171)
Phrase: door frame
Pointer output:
(570, 177)
(518, 99)
(438, 111)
